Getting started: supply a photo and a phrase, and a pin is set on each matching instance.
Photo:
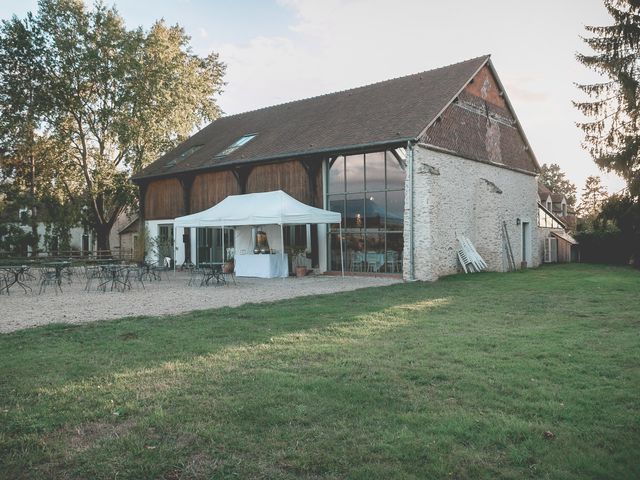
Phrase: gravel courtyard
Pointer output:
(169, 296)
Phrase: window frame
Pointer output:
(237, 144)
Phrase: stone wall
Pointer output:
(453, 195)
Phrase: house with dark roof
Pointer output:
(555, 222)
(555, 202)
(410, 162)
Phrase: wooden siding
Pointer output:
(164, 199)
(290, 177)
(210, 188)
(319, 200)
(564, 251)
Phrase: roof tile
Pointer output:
(385, 112)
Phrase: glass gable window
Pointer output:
(368, 190)
(243, 140)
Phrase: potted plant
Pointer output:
(230, 264)
(301, 271)
(299, 260)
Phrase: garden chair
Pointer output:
(392, 261)
(357, 262)
(49, 277)
(136, 274)
(92, 273)
(3, 283)
(228, 273)
(195, 275)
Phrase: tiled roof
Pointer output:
(566, 237)
(392, 111)
(132, 227)
(543, 190)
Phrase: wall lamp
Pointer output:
(518, 221)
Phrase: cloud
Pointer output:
(519, 92)
(338, 44)
(333, 45)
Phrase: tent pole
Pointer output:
(223, 245)
(175, 232)
(341, 252)
(282, 251)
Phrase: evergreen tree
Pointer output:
(624, 213)
(555, 180)
(611, 132)
(593, 196)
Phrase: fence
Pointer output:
(45, 255)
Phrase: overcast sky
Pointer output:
(282, 50)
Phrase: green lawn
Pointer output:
(462, 378)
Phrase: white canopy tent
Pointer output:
(255, 209)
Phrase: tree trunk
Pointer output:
(32, 192)
(34, 232)
(102, 237)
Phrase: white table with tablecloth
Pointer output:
(264, 265)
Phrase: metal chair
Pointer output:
(49, 277)
(357, 262)
(391, 262)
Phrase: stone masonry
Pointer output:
(453, 195)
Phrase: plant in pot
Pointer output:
(299, 260)
(230, 264)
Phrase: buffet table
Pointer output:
(264, 265)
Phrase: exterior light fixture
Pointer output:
(518, 221)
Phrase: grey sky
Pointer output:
(291, 49)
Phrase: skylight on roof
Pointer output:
(243, 140)
(187, 153)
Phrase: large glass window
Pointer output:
(354, 171)
(336, 175)
(375, 171)
(368, 190)
(209, 245)
(295, 237)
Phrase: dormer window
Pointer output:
(243, 140)
(564, 209)
(549, 205)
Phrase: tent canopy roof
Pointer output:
(265, 208)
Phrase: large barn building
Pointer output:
(410, 163)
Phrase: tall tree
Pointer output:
(119, 98)
(624, 213)
(555, 180)
(593, 196)
(25, 167)
(612, 130)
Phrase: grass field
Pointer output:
(526, 375)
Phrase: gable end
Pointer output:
(479, 124)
